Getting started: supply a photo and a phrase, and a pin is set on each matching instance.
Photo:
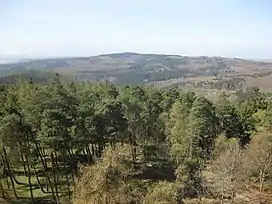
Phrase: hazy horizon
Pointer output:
(227, 28)
(6, 59)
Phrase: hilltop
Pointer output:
(134, 68)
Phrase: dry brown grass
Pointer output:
(264, 83)
(162, 193)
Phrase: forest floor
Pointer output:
(23, 189)
(248, 194)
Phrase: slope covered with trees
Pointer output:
(135, 68)
(65, 142)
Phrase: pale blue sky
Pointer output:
(233, 28)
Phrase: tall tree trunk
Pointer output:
(54, 176)
(67, 183)
(89, 154)
(47, 179)
(44, 164)
(7, 181)
(133, 151)
(10, 174)
(262, 175)
(29, 179)
(73, 164)
(28, 167)
(23, 161)
(2, 190)
(5, 176)
(84, 153)
(47, 185)
(38, 180)
(57, 169)
(100, 149)
(96, 150)
(93, 149)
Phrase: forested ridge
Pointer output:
(136, 68)
(99, 143)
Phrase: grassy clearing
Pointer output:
(23, 189)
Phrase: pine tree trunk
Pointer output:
(5, 170)
(84, 153)
(100, 149)
(133, 151)
(47, 185)
(93, 149)
(10, 174)
(37, 178)
(73, 165)
(29, 179)
(67, 183)
(44, 164)
(71, 162)
(89, 154)
(96, 150)
(2, 190)
(47, 178)
(57, 170)
(55, 179)
(7, 181)
(22, 158)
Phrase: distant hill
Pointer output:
(134, 68)
(11, 58)
(31, 75)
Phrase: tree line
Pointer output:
(91, 142)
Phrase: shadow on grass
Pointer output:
(40, 200)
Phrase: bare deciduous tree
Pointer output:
(226, 167)
(259, 157)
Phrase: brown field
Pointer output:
(264, 83)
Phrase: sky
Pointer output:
(58, 28)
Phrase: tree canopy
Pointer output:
(101, 143)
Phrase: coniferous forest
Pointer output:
(97, 143)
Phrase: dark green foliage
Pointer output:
(204, 125)
(50, 129)
(232, 124)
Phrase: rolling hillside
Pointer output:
(133, 68)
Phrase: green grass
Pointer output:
(23, 189)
